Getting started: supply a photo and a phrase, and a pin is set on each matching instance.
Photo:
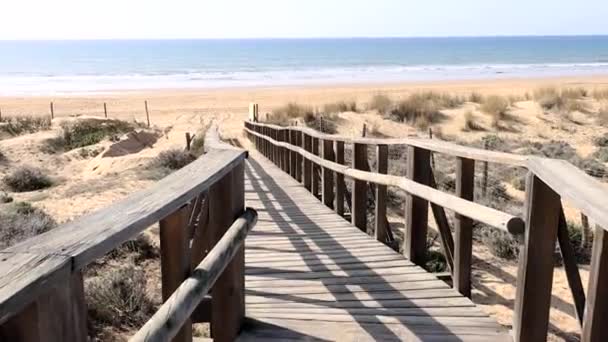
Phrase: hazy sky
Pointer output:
(92, 19)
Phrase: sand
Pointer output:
(85, 184)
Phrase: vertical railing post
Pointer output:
(315, 168)
(58, 315)
(340, 185)
(226, 204)
(463, 229)
(535, 269)
(285, 139)
(359, 196)
(293, 156)
(328, 174)
(299, 158)
(381, 232)
(307, 163)
(175, 259)
(596, 311)
(416, 208)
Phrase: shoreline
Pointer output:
(599, 80)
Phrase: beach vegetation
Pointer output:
(27, 178)
(497, 107)
(324, 123)
(380, 103)
(602, 116)
(20, 221)
(287, 114)
(476, 97)
(24, 124)
(340, 107)
(174, 159)
(601, 154)
(423, 109)
(118, 298)
(86, 132)
(601, 141)
(500, 243)
(600, 94)
(470, 122)
(564, 100)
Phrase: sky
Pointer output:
(169, 19)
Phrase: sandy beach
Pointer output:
(87, 184)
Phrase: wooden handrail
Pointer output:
(486, 215)
(166, 322)
(434, 145)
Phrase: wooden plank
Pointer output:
(416, 297)
(381, 231)
(299, 159)
(445, 232)
(327, 176)
(315, 169)
(463, 228)
(293, 155)
(340, 185)
(594, 324)
(359, 192)
(175, 260)
(398, 301)
(416, 208)
(535, 272)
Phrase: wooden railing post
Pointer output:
(340, 185)
(299, 158)
(381, 232)
(228, 295)
(315, 168)
(535, 272)
(327, 174)
(595, 327)
(416, 209)
(175, 259)
(359, 196)
(307, 164)
(463, 229)
(56, 316)
(293, 156)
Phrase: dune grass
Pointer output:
(26, 124)
(497, 107)
(27, 178)
(564, 100)
(20, 221)
(380, 103)
(423, 109)
(340, 107)
(470, 122)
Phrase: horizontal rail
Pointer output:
(438, 146)
(478, 212)
(167, 321)
(574, 185)
(33, 266)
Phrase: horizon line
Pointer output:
(310, 37)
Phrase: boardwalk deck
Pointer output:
(311, 275)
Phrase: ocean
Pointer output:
(74, 67)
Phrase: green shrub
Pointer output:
(81, 133)
(27, 178)
(601, 141)
(20, 221)
(500, 243)
(17, 125)
(602, 154)
(118, 297)
(340, 107)
(381, 103)
(174, 159)
(435, 262)
(519, 183)
(575, 233)
(5, 198)
(140, 248)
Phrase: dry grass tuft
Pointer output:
(600, 94)
(340, 107)
(380, 103)
(17, 125)
(497, 107)
(602, 116)
(27, 178)
(568, 99)
(470, 122)
(81, 133)
(423, 109)
(476, 97)
(20, 221)
(174, 159)
(285, 115)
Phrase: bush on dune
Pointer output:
(495, 106)
(27, 178)
(600, 94)
(17, 125)
(568, 99)
(174, 159)
(340, 107)
(423, 109)
(284, 116)
(81, 133)
(470, 122)
(380, 103)
(20, 221)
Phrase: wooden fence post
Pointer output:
(56, 316)
(595, 328)
(340, 185)
(381, 232)
(299, 158)
(535, 270)
(175, 259)
(416, 209)
(327, 174)
(463, 229)
(293, 158)
(359, 196)
(315, 168)
(147, 113)
(52, 111)
(228, 294)
(105, 110)
(307, 163)
(286, 152)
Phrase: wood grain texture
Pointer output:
(359, 192)
(416, 208)
(308, 270)
(596, 312)
(463, 228)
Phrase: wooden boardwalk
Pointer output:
(311, 275)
